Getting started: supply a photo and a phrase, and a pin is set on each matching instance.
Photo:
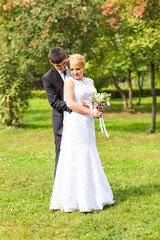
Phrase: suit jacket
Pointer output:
(53, 84)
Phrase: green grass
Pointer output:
(131, 161)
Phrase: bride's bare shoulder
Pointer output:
(69, 81)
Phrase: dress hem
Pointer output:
(83, 210)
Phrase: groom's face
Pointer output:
(61, 66)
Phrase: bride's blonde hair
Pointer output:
(79, 59)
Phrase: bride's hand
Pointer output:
(83, 104)
(97, 112)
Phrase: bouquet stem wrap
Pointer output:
(102, 126)
(100, 100)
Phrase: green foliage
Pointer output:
(38, 26)
(39, 94)
(14, 89)
(98, 74)
(133, 39)
(34, 27)
(146, 92)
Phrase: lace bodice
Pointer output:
(86, 81)
(82, 89)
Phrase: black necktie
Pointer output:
(65, 73)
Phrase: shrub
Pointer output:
(146, 92)
(38, 94)
(14, 89)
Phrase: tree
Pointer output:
(14, 89)
(14, 78)
(147, 42)
(137, 23)
(115, 42)
(37, 26)
(31, 29)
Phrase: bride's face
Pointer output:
(76, 71)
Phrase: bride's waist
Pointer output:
(76, 115)
(88, 102)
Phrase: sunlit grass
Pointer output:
(131, 161)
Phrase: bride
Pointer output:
(80, 181)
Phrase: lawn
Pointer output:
(131, 161)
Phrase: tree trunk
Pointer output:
(119, 90)
(10, 111)
(153, 91)
(140, 84)
(130, 89)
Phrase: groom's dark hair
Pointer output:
(56, 55)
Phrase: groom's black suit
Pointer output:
(53, 84)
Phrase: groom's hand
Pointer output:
(101, 109)
(83, 104)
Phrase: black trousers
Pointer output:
(57, 148)
(57, 129)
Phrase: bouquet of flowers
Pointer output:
(100, 100)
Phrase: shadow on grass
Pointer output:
(117, 107)
(128, 127)
(121, 195)
(45, 122)
(133, 127)
(42, 118)
(37, 112)
(37, 126)
(36, 119)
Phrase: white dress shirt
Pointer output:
(62, 73)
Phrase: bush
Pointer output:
(14, 88)
(146, 92)
(38, 94)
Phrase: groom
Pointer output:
(53, 82)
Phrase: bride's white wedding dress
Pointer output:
(80, 181)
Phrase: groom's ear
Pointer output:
(50, 62)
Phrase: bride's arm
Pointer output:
(69, 98)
